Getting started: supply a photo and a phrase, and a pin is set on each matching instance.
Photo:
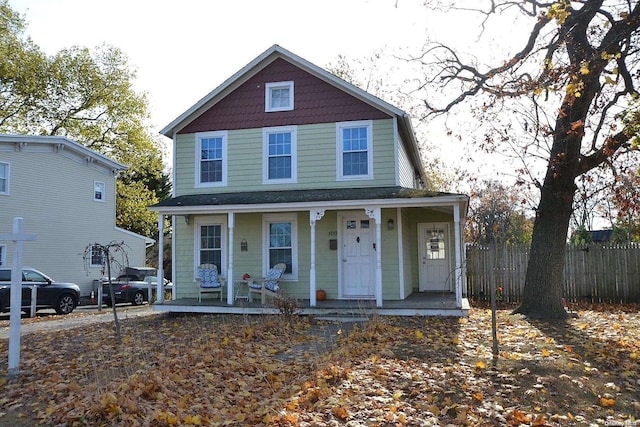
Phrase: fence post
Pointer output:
(34, 299)
(494, 320)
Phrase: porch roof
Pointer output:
(295, 199)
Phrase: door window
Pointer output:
(435, 244)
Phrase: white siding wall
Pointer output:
(406, 171)
(53, 192)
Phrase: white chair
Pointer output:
(209, 280)
(268, 285)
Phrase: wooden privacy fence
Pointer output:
(595, 273)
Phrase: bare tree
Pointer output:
(496, 215)
(577, 72)
(114, 256)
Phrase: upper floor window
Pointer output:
(97, 256)
(354, 150)
(211, 162)
(278, 96)
(98, 191)
(4, 178)
(279, 154)
(3, 249)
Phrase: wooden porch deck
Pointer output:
(416, 304)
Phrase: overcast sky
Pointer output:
(184, 49)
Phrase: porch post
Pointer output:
(400, 253)
(458, 249)
(376, 214)
(314, 215)
(231, 225)
(160, 284)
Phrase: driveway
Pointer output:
(47, 320)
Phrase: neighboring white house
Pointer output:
(66, 194)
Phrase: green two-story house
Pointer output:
(286, 163)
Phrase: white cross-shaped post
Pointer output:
(18, 237)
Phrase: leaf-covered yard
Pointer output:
(272, 371)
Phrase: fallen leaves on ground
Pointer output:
(218, 370)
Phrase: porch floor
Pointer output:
(416, 304)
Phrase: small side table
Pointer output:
(242, 289)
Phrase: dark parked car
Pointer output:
(63, 297)
(127, 290)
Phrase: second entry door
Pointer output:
(357, 256)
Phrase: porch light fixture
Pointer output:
(244, 246)
(187, 218)
(390, 224)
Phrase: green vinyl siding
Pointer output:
(410, 258)
(390, 261)
(316, 160)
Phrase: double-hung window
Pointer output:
(211, 159)
(354, 150)
(98, 191)
(210, 245)
(280, 243)
(97, 256)
(278, 96)
(279, 154)
(4, 178)
(3, 250)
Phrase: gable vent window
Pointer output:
(279, 96)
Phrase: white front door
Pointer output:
(357, 256)
(435, 257)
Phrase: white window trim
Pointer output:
(104, 189)
(91, 264)
(199, 137)
(293, 219)
(3, 252)
(267, 96)
(8, 179)
(355, 124)
(211, 220)
(293, 130)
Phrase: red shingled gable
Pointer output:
(315, 101)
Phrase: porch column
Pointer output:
(458, 249)
(160, 284)
(400, 253)
(376, 215)
(231, 225)
(314, 215)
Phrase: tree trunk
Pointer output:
(544, 282)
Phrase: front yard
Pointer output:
(299, 371)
